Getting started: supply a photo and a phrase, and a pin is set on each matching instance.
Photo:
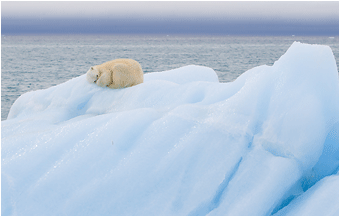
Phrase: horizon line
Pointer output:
(169, 26)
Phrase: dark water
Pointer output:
(37, 62)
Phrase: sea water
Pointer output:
(37, 62)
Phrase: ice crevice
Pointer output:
(207, 207)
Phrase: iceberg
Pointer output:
(181, 143)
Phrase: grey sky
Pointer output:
(221, 9)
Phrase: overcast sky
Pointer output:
(220, 9)
(309, 13)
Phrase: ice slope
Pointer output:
(181, 143)
(322, 199)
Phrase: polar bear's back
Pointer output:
(133, 64)
(130, 75)
(134, 67)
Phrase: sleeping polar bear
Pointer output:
(118, 73)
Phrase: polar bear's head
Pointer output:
(93, 74)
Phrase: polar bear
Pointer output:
(118, 73)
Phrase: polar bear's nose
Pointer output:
(96, 79)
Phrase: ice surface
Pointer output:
(181, 143)
(321, 199)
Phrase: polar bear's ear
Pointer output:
(91, 67)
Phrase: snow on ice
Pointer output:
(181, 143)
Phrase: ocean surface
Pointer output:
(37, 62)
